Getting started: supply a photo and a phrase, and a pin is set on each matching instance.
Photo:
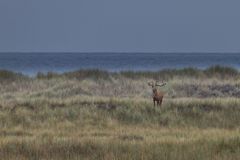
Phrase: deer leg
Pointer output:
(154, 102)
(160, 102)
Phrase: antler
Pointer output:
(152, 84)
(160, 85)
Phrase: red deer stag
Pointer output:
(157, 95)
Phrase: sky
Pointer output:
(119, 26)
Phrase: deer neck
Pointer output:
(154, 90)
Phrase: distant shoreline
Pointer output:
(32, 63)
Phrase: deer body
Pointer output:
(157, 95)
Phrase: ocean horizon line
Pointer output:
(122, 52)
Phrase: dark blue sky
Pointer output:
(120, 25)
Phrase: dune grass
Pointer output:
(121, 129)
(101, 115)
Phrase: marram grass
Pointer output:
(95, 129)
(99, 115)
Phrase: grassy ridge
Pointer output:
(215, 81)
(164, 74)
(93, 114)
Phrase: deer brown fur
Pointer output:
(157, 95)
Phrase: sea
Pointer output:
(32, 63)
